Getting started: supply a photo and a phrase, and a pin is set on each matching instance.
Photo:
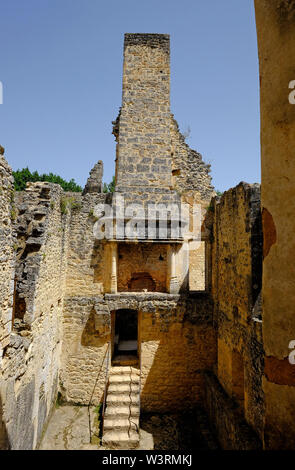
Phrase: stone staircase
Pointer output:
(121, 418)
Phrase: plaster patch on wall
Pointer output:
(279, 371)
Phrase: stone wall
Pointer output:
(86, 256)
(7, 273)
(94, 182)
(144, 153)
(143, 257)
(177, 347)
(189, 171)
(233, 431)
(236, 284)
(152, 158)
(176, 340)
(275, 21)
(84, 339)
(30, 364)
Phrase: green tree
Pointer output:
(109, 187)
(22, 177)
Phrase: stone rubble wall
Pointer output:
(84, 343)
(86, 268)
(31, 360)
(144, 154)
(190, 172)
(94, 182)
(176, 340)
(7, 251)
(233, 432)
(7, 257)
(151, 153)
(236, 284)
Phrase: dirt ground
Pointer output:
(77, 428)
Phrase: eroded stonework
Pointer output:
(200, 334)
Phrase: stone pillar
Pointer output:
(174, 286)
(114, 259)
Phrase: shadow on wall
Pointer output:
(175, 351)
(93, 336)
(97, 336)
(4, 441)
(96, 260)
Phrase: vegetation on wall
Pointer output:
(22, 177)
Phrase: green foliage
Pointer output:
(97, 426)
(219, 193)
(66, 202)
(64, 205)
(110, 187)
(22, 177)
(97, 409)
(91, 214)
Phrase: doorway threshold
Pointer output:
(125, 360)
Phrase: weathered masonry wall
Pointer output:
(144, 154)
(275, 21)
(176, 345)
(87, 324)
(189, 171)
(236, 283)
(6, 274)
(149, 258)
(30, 364)
(152, 158)
(177, 348)
(86, 331)
(7, 251)
(86, 268)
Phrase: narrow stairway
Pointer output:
(121, 418)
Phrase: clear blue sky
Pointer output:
(61, 69)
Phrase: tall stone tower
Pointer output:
(153, 161)
(143, 132)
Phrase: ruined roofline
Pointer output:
(148, 39)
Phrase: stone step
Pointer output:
(121, 411)
(123, 424)
(123, 379)
(120, 440)
(123, 388)
(122, 399)
(125, 360)
(124, 370)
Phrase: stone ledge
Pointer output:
(142, 296)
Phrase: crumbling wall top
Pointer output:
(148, 39)
(94, 182)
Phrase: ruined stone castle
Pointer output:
(147, 324)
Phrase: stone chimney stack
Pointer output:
(143, 126)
